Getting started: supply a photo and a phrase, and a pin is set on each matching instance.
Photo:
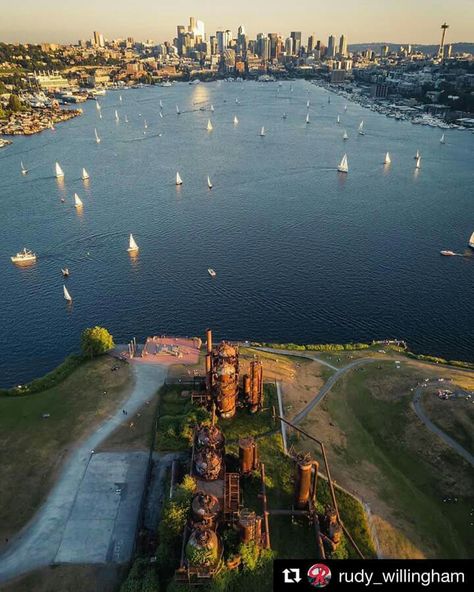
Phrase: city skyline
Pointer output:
(360, 22)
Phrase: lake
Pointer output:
(302, 253)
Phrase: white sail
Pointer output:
(67, 296)
(209, 126)
(161, 115)
(417, 155)
(85, 174)
(120, 98)
(236, 101)
(345, 136)
(345, 107)
(343, 165)
(338, 120)
(179, 181)
(262, 131)
(177, 110)
(117, 118)
(126, 119)
(146, 124)
(307, 104)
(161, 104)
(59, 171)
(361, 128)
(236, 120)
(212, 108)
(77, 201)
(100, 114)
(132, 245)
(97, 139)
(387, 160)
(418, 163)
(209, 184)
(442, 140)
(23, 169)
(471, 241)
(97, 105)
(307, 117)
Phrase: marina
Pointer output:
(324, 256)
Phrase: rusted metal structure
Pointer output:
(250, 526)
(203, 549)
(248, 455)
(303, 480)
(255, 399)
(209, 436)
(205, 508)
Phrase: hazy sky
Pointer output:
(400, 21)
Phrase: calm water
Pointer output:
(302, 254)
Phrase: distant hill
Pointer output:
(461, 47)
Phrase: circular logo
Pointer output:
(319, 575)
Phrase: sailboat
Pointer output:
(161, 114)
(387, 160)
(345, 136)
(442, 140)
(117, 118)
(345, 107)
(161, 104)
(291, 88)
(361, 128)
(97, 139)
(23, 169)
(120, 98)
(212, 108)
(146, 124)
(418, 163)
(77, 201)
(132, 245)
(67, 296)
(307, 118)
(179, 181)
(59, 171)
(343, 165)
(236, 120)
(126, 119)
(85, 174)
(262, 131)
(177, 110)
(97, 106)
(100, 114)
(471, 241)
(237, 101)
(307, 104)
(338, 120)
(209, 184)
(209, 126)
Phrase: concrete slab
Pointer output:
(103, 520)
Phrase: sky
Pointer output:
(397, 21)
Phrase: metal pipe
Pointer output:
(209, 340)
(265, 507)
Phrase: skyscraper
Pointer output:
(311, 41)
(331, 52)
(289, 46)
(273, 38)
(99, 39)
(343, 46)
(224, 39)
(296, 36)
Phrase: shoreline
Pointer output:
(29, 123)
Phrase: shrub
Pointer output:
(96, 341)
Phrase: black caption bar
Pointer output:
(372, 575)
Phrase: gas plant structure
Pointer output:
(217, 502)
(221, 388)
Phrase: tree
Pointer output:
(14, 103)
(96, 341)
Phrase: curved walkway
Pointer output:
(38, 542)
(418, 407)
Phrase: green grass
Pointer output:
(375, 432)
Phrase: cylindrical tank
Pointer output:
(256, 390)
(208, 464)
(226, 384)
(203, 548)
(303, 483)
(247, 525)
(209, 436)
(209, 341)
(246, 386)
(205, 507)
(247, 455)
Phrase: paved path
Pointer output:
(339, 372)
(38, 543)
(418, 407)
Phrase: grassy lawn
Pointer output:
(404, 470)
(32, 448)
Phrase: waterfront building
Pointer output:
(49, 80)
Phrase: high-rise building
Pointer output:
(99, 39)
(289, 46)
(384, 51)
(296, 36)
(331, 51)
(241, 31)
(224, 39)
(273, 39)
(343, 46)
(311, 41)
